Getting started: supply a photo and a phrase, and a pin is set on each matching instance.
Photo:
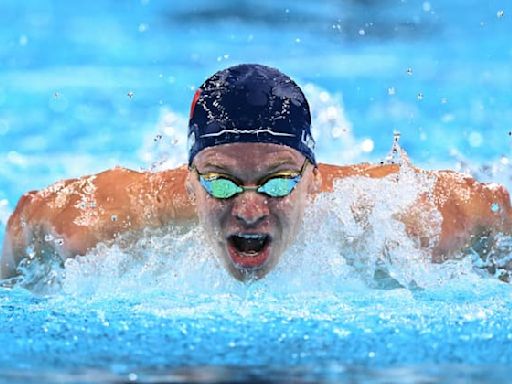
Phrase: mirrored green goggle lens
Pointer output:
(279, 186)
(221, 188)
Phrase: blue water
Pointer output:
(87, 86)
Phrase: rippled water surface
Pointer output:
(88, 86)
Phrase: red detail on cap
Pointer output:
(194, 102)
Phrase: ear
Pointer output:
(316, 183)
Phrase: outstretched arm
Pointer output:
(472, 213)
(72, 216)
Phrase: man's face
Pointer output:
(251, 230)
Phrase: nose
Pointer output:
(250, 208)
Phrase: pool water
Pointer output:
(84, 87)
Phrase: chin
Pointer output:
(247, 268)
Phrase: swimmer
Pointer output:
(251, 173)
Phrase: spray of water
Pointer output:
(350, 239)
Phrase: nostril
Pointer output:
(250, 208)
(250, 220)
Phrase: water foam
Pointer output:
(351, 239)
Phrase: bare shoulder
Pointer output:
(73, 215)
(332, 172)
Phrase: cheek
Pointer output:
(211, 212)
(290, 210)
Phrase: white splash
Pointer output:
(351, 239)
(165, 147)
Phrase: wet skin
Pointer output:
(278, 219)
(80, 213)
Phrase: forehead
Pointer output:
(249, 155)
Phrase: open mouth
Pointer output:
(249, 250)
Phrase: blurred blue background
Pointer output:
(86, 86)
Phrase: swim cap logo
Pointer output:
(194, 102)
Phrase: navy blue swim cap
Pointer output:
(253, 104)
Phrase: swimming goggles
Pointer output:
(222, 186)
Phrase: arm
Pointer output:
(472, 213)
(72, 216)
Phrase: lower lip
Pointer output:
(249, 262)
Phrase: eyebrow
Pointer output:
(272, 168)
(216, 167)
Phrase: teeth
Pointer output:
(250, 236)
(250, 254)
(249, 244)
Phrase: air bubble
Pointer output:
(391, 91)
(500, 13)
(48, 237)
(420, 96)
(113, 218)
(362, 32)
(409, 71)
(130, 94)
(158, 137)
(495, 207)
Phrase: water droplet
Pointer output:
(394, 156)
(130, 94)
(30, 252)
(409, 71)
(391, 91)
(367, 145)
(113, 218)
(500, 13)
(420, 96)
(48, 237)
